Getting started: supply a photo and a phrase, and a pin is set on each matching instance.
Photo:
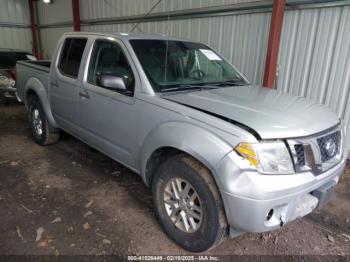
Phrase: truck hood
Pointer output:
(270, 113)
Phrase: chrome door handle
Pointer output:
(84, 94)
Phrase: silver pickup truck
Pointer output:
(221, 156)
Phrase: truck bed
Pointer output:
(26, 70)
(42, 64)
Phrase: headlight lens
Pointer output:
(267, 157)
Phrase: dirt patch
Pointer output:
(100, 207)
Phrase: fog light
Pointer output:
(269, 215)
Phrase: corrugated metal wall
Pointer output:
(14, 25)
(110, 8)
(59, 11)
(247, 52)
(314, 57)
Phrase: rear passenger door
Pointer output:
(65, 82)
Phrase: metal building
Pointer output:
(14, 25)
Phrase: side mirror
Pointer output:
(111, 82)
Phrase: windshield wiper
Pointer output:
(216, 85)
(187, 87)
(240, 82)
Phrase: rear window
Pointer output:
(73, 49)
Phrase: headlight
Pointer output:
(267, 157)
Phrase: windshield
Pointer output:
(8, 59)
(172, 63)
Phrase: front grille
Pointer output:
(316, 153)
(300, 154)
(329, 146)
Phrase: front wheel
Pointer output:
(43, 133)
(188, 204)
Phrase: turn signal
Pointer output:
(247, 151)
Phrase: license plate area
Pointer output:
(305, 205)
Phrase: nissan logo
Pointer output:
(330, 147)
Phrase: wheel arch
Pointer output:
(34, 87)
(196, 142)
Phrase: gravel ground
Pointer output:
(70, 199)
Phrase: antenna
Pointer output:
(150, 11)
(115, 10)
(166, 52)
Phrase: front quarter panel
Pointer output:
(187, 137)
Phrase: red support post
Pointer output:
(76, 14)
(274, 42)
(32, 21)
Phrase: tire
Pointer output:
(43, 133)
(210, 226)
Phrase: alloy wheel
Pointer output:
(37, 122)
(183, 205)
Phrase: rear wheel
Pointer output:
(188, 204)
(43, 133)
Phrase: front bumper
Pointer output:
(250, 197)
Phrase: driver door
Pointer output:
(108, 117)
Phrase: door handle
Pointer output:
(84, 94)
(54, 83)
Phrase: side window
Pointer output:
(108, 58)
(72, 52)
